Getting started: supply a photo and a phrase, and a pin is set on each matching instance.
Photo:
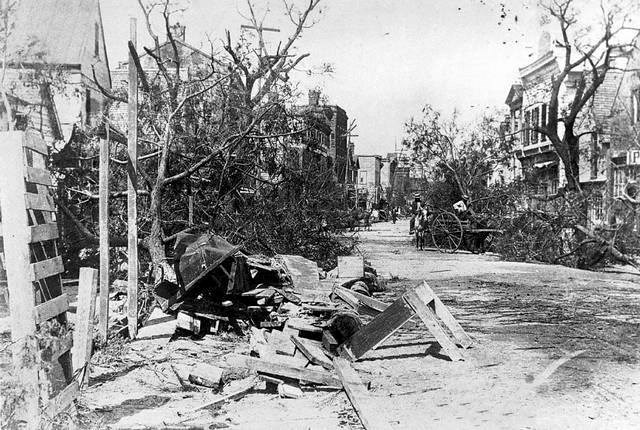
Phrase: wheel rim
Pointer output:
(446, 232)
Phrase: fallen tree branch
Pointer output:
(610, 247)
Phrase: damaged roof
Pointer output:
(54, 31)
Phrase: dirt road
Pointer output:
(556, 348)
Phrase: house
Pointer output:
(55, 49)
(535, 158)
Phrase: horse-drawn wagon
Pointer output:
(449, 232)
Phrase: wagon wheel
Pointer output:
(446, 232)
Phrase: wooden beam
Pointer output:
(445, 316)
(43, 269)
(50, 309)
(313, 353)
(103, 225)
(369, 415)
(132, 186)
(44, 232)
(279, 369)
(378, 330)
(83, 331)
(369, 301)
(420, 304)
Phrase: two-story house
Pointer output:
(536, 160)
(55, 54)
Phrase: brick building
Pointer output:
(54, 49)
(337, 119)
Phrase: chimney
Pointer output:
(177, 31)
(314, 97)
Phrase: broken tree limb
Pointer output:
(610, 247)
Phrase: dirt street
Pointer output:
(555, 348)
(527, 319)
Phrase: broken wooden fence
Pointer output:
(31, 267)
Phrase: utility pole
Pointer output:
(103, 215)
(132, 197)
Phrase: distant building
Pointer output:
(337, 119)
(54, 49)
(192, 61)
(368, 185)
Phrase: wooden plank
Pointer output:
(428, 316)
(304, 273)
(369, 301)
(350, 267)
(301, 325)
(16, 261)
(313, 353)
(62, 401)
(34, 142)
(59, 346)
(51, 308)
(39, 202)
(103, 226)
(281, 343)
(370, 416)
(378, 330)
(83, 331)
(442, 312)
(132, 187)
(354, 302)
(279, 369)
(44, 232)
(39, 176)
(44, 269)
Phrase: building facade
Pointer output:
(56, 63)
(368, 185)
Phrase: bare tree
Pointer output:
(590, 52)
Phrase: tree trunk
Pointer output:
(571, 160)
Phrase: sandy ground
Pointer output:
(555, 348)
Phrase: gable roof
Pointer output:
(55, 31)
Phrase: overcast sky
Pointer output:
(390, 56)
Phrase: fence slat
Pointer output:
(44, 232)
(51, 308)
(46, 268)
(39, 202)
(38, 176)
(83, 332)
(62, 400)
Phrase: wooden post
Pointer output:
(103, 214)
(16, 238)
(83, 331)
(132, 212)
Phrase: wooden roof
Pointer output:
(53, 31)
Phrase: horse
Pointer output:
(421, 228)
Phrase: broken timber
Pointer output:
(358, 395)
(421, 301)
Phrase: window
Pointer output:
(543, 121)
(595, 156)
(535, 115)
(97, 41)
(87, 106)
(635, 106)
(527, 124)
